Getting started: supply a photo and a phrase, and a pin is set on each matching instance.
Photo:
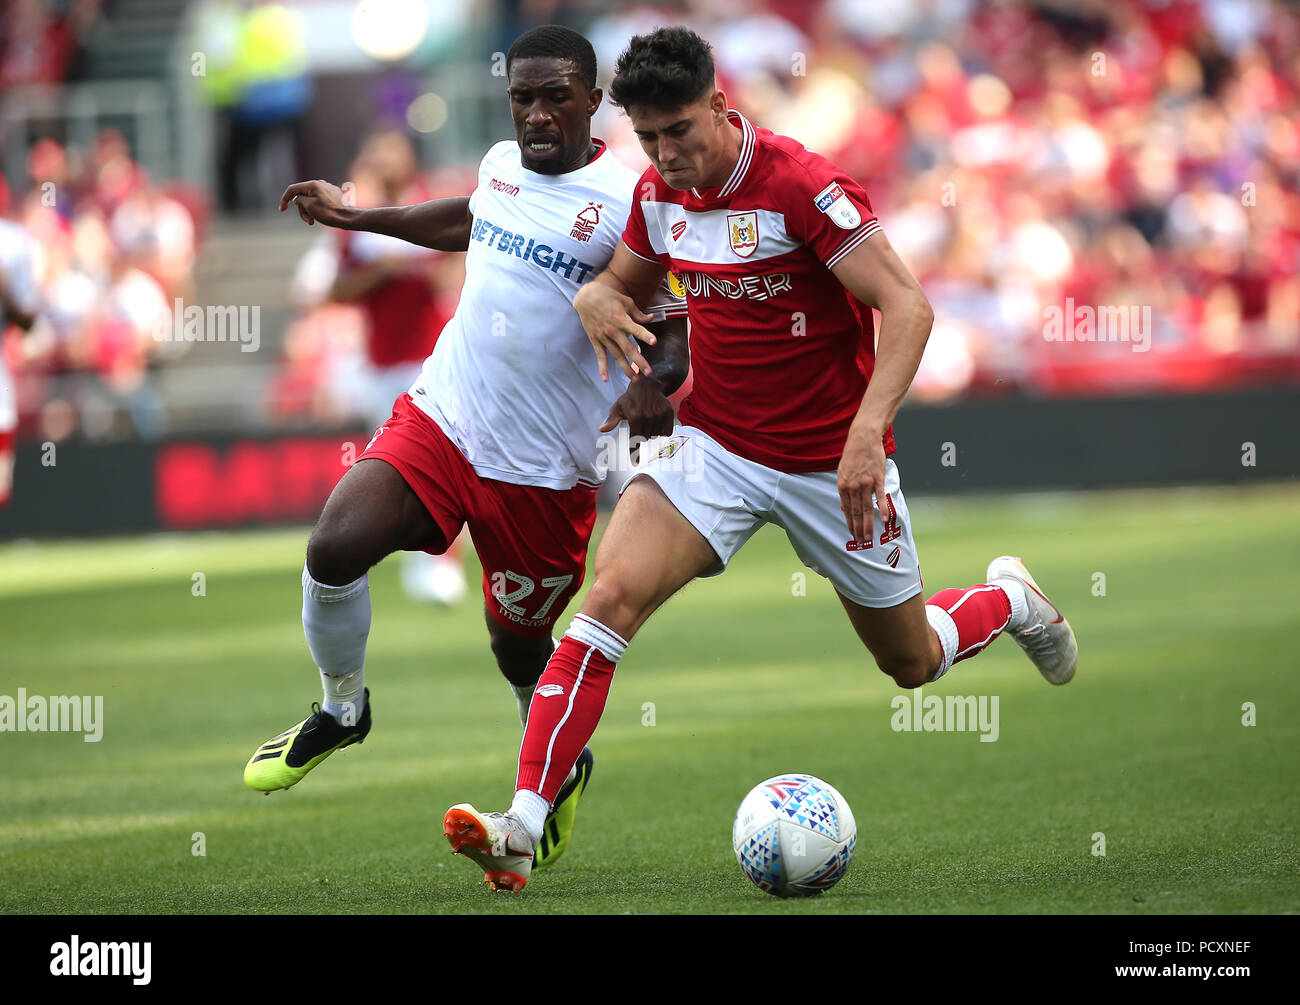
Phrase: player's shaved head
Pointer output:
(554, 41)
(667, 69)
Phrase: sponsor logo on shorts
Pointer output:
(670, 448)
(550, 690)
(893, 557)
(617, 449)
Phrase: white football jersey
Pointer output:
(513, 381)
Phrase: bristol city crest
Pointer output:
(742, 233)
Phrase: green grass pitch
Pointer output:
(747, 679)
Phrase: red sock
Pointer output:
(966, 621)
(567, 703)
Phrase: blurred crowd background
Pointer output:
(1018, 154)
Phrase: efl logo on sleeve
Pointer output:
(835, 203)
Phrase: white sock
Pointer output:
(1015, 591)
(944, 627)
(336, 621)
(531, 809)
(591, 632)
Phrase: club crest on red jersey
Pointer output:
(742, 233)
(833, 201)
(585, 225)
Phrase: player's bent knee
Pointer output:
(907, 672)
(333, 559)
(615, 604)
(520, 660)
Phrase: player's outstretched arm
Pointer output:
(440, 224)
(875, 274)
(609, 312)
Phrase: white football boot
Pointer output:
(1046, 637)
(498, 843)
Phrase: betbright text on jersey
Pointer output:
(513, 381)
(780, 350)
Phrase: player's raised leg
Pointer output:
(916, 643)
(371, 513)
(647, 554)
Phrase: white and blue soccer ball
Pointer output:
(794, 836)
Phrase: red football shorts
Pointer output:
(531, 541)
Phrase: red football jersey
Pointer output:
(780, 350)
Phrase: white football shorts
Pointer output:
(727, 498)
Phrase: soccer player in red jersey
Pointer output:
(789, 420)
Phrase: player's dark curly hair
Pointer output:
(666, 69)
(554, 41)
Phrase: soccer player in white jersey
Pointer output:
(500, 430)
(789, 418)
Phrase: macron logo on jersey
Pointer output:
(542, 255)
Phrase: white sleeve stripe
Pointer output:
(873, 228)
(849, 237)
(854, 236)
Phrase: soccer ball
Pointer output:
(794, 836)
